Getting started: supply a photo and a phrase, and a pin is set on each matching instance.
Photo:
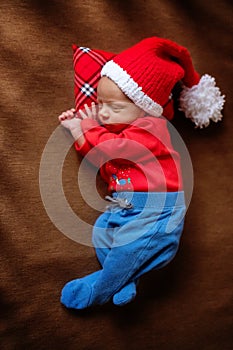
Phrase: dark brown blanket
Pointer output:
(187, 305)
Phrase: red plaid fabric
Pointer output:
(87, 67)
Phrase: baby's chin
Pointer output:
(115, 127)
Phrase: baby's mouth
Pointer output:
(105, 119)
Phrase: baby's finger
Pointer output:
(63, 116)
(94, 110)
(82, 114)
(68, 115)
(88, 111)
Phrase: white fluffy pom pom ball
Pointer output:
(202, 102)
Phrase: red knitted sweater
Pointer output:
(136, 157)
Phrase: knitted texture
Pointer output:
(148, 71)
(145, 154)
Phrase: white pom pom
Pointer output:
(202, 102)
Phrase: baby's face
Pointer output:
(114, 106)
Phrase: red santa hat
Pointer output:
(148, 71)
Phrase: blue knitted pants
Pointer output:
(129, 242)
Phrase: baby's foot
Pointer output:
(126, 294)
(76, 294)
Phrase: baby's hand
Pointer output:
(67, 115)
(70, 121)
(91, 112)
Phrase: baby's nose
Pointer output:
(104, 112)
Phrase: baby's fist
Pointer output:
(69, 114)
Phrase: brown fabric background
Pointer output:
(188, 305)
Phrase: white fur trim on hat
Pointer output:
(202, 102)
(126, 83)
